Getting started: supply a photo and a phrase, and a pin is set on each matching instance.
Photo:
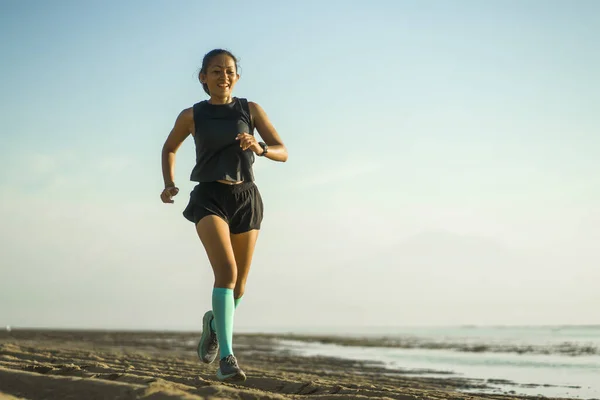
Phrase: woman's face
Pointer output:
(220, 76)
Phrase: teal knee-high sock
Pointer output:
(236, 303)
(223, 310)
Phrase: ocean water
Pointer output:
(557, 361)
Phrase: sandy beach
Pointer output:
(43, 364)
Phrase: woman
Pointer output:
(225, 205)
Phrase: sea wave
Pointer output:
(564, 348)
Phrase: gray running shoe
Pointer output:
(208, 347)
(229, 371)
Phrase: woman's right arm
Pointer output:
(181, 130)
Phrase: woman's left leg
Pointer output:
(243, 249)
(245, 226)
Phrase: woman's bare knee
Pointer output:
(225, 275)
(214, 234)
(243, 249)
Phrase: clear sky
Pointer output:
(443, 162)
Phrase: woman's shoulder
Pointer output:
(253, 105)
(187, 113)
(255, 109)
(196, 107)
(186, 118)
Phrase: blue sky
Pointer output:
(432, 145)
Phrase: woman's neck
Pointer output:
(220, 100)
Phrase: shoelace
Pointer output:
(231, 361)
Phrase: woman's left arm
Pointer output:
(277, 150)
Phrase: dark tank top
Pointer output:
(218, 154)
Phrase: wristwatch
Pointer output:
(264, 147)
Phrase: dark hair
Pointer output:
(208, 58)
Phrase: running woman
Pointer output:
(225, 205)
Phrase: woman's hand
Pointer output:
(168, 193)
(248, 141)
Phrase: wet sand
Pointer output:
(43, 364)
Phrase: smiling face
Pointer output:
(220, 76)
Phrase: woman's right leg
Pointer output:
(214, 234)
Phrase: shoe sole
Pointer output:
(204, 337)
(235, 377)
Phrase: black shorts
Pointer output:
(240, 205)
